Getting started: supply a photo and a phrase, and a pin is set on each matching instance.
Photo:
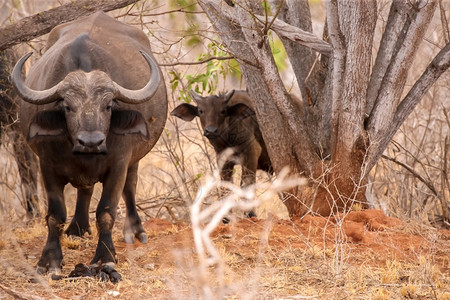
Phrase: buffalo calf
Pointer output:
(228, 121)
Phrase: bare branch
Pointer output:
(444, 21)
(380, 120)
(338, 68)
(436, 68)
(295, 34)
(180, 63)
(282, 29)
(428, 183)
(302, 58)
(41, 23)
(394, 25)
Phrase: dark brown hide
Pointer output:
(95, 127)
(229, 121)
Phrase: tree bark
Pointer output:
(41, 23)
(379, 123)
(349, 141)
(398, 15)
(310, 72)
(437, 67)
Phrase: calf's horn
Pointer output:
(196, 97)
(27, 94)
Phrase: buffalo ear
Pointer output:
(240, 111)
(129, 122)
(186, 112)
(47, 123)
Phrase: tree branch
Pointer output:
(428, 183)
(41, 23)
(180, 63)
(302, 58)
(381, 118)
(337, 69)
(282, 29)
(295, 34)
(435, 69)
(397, 17)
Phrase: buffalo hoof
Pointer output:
(134, 229)
(55, 273)
(108, 273)
(51, 261)
(78, 229)
(82, 270)
(141, 236)
(104, 272)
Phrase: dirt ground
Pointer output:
(364, 255)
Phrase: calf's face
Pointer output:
(214, 111)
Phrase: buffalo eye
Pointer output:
(223, 112)
(200, 112)
(108, 108)
(67, 108)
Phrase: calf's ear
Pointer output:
(47, 123)
(240, 111)
(186, 112)
(129, 122)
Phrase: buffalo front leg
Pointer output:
(105, 254)
(227, 171)
(52, 258)
(80, 222)
(249, 166)
(250, 158)
(133, 225)
(226, 174)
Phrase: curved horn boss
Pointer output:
(50, 95)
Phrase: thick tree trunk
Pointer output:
(347, 22)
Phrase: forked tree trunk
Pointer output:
(351, 109)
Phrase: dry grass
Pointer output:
(260, 259)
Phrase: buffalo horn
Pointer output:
(144, 94)
(27, 94)
(229, 95)
(196, 97)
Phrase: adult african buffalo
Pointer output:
(229, 121)
(93, 105)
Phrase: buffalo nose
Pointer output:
(91, 139)
(210, 130)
